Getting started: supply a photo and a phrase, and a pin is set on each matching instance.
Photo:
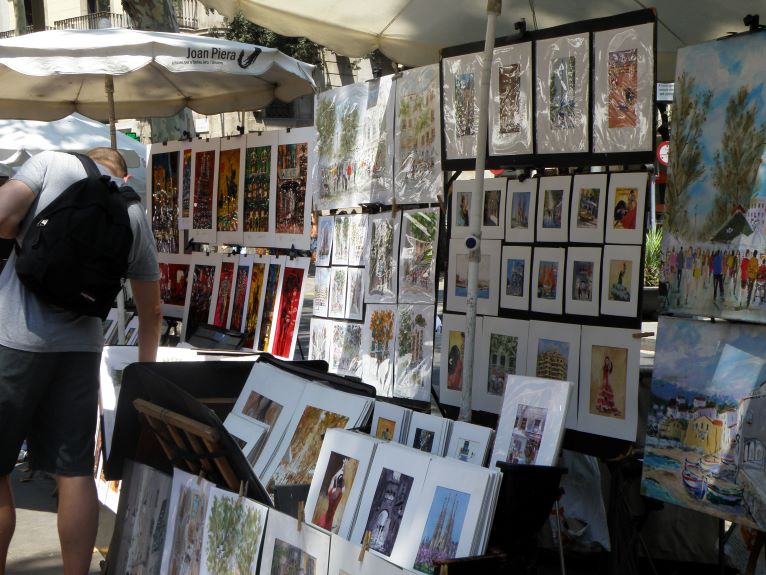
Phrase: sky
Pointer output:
(448, 496)
(722, 67)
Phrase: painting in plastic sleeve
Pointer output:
(502, 351)
(620, 281)
(382, 258)
(583, 280)
(184, 216)
(417, 143)
(230, 190)
(378, 347)
(182, 552)
(321, 291)
(249, 435)
(531, 424)
(354, 308)
(339, 121)
(705, 428)
(288, 550)
(553, 352)
(260, 182)
(488, 293)
(325, 236)
(586, 220)
(510, 101)
(563, 94)
(414, 352)
(174, 279)
(241, 286)
(200, 292)
(223, 291)
(340, 241)
(520, 210)
(344, 560)
(255, 297)
(515, 271)
(625, 207)
(553, 196)
(462, 75)
(163, 195)
(338, 480)
(320, 331)
(234, 528)
(377, 155)
(609, 364)
(417, 260)
(453, 355)
(492, 212)
(357, 239)
(273, 281)
(204, 178)
(338, 281)
(345, 343)
(292, 198)
(623, 89)
(288, 308)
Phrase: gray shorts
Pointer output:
(51, 400)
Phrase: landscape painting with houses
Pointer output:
(706, 429)
(715, 201)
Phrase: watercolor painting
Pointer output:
(357, 239)
(355, 294)
(562, 104)
(623, 88)
(187, 532)
(491, 208)
(414, 351)
(461, 276)
(582, 281)
(325, 234)
(186, 168)
(388, 504)
(466, 449)
(552, 359)
(520, 209)
(338, 281)
(455, 359)
(257, 277)
(502, 361)
(608, 380)
(292, 172)
(552, 207)
(261, 408)
(547, 280)
(385, 429)
(528, 428)
(321, 291)
(173, 282)
(257, 189)
(204, 179)
(228, 190)
(587, 208)
(165, 201)
(289, 312)
(345, 344)
(705, 430)
(514, 285)
(378, 351)
(464, 105)
(620, 277)
(340, 241)
(510, 98)
(201, 296)
(291, 560)
(240, 297)
(383, 251)
(625, 208)
(336, 487)
(441, 535)
(318, 339)
(424, 440)
(417, 261)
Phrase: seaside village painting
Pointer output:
(715, 204)
(706, 430)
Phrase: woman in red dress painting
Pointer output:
(334, 495)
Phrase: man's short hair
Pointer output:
(111, 160)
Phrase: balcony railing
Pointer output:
(186, 14)
(94, 21)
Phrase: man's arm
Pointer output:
(15, 199)
(146, 295)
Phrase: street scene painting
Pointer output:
(337, 483)
(388, 504)
(291, 560)
(441, 535)
(292, 173)
(165, 201)
(582, 280)
(414, 351)
(257, 189)
(345, 343)
(706, 428)
(520, 209)
(204, 179)
(528, 428)
(464, 105)
(502, 361)
(383, 241)
(547, 280)
(623, 88)
(510, 98)
(587, 208)
(562, 110)
(417, 262)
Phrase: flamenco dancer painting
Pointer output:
(608, 381)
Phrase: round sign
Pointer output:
(663, 151)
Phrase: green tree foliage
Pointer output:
(241, 30)
(404, 340)
(222, 530)
(653, 257)
(349, 131)
(247, 550)
(325, 123)
(689, 116)
(735, 172)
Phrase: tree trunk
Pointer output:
(21, 16)
(160, 16)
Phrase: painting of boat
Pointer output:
(723, 492)
(694, 479)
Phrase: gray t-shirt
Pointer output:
(26, 322)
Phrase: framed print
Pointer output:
(260, 185)
(204, 186)
(340, 241)
(319, 339)
(418, 176)
(200, 292)
(583, 281)
(623, 89)
(520, 211)
(554, 353)
(357, 239)
(287, 549)
(414, 351)
(515, 271)
(510, 101)
(417, 259)
(586, 222)
(487, 296)
(553, 195)
(345, 343)
(469, 442)
(460, 91)
(609, 364)
(230, 190)
(547, 280)
(163, 195)
(382, 258)
(354, 294)
(325, 236)
(563, 98)
(174, 277)
(288, 307)
(378, 346)
(619, 280)
(625, 207)
(453, 353)
(501, 351)
(492, 212)
(295, 158)
(337, 302)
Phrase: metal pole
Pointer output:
(493, 11)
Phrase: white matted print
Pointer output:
(453, 356)
(260, 183)
(378, 143)
(378, 339)
(200, 292)
(520, 211)
(427, 433)
(554, 353)
(417, 262)
(355, 294)
(382, 258)
(487, 295)
(162, 195)
(325, 236)
(469, 442)
(510, 101)
(553, 209)
(319, 339)
(345, 343)
(619, 280)
(204, 177)
(460, 91)
(338, 280)
(583, 281)
(388, 421)
(531, 424)
(548, 280)
(287, 549)
(230, 190)
(414, 352)
(623, 89)
(174, 279)
(284, 329)
(357, 238)
(609, 373)
(321, 291)
(501, 351)
(492, 208)
(344, 560)
(625, 208)
(292, 197)
(563, 99)
(515, 271)
(340, 241)
(586, 222)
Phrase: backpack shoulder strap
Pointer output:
(90, 166)
(129, 194)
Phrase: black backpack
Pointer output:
(75, 252)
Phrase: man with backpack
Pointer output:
(50, 352)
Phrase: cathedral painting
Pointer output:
(165, 201)
(387, 509)
(443, 526)
(224, 294)
(228, 190)
(204, 175)
(292, 169)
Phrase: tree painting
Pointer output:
(325, 125)
(234, 528)
(382, 331)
